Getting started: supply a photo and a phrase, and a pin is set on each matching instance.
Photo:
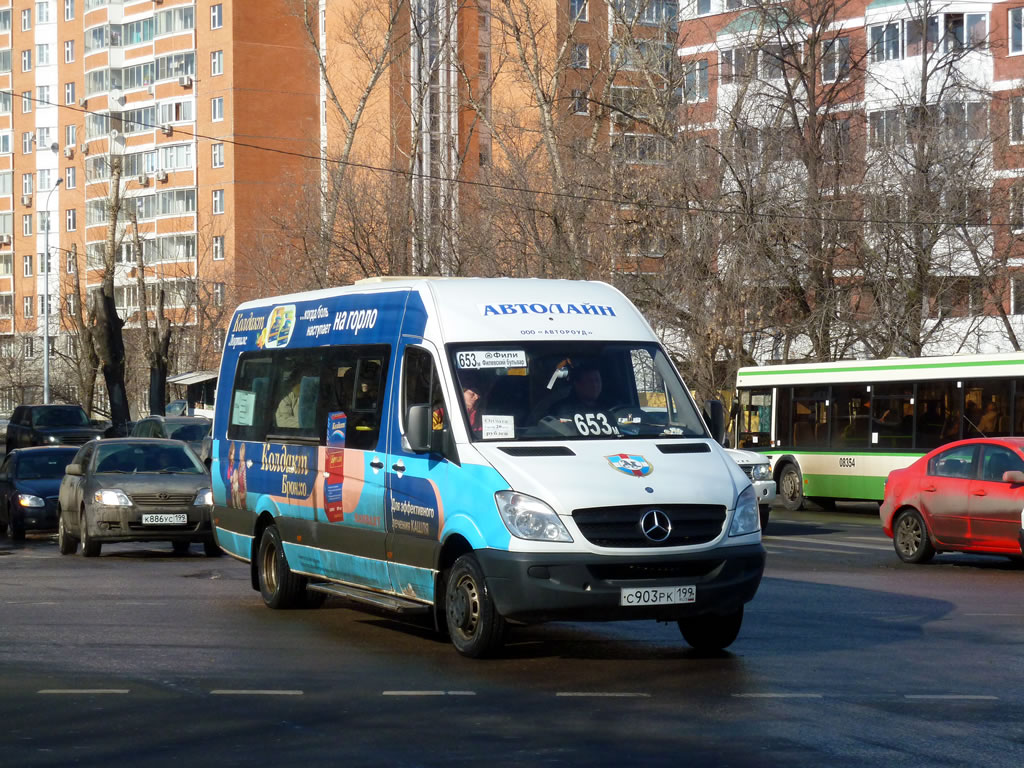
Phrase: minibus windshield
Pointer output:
(568, 389)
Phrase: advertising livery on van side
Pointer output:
(480, 451)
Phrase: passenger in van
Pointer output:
(990, 419)
(288, 409)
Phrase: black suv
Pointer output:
(49, 425)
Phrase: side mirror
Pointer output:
(714, 414)
(73, 469)
(417, 431)
(1014, 476)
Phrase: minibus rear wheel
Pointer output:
(474, 624)
(711, 632)
(279, 587)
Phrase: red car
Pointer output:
(966, 496)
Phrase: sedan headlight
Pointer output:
(52, 439)
(761, 471)
(112, 497)
(746, 519)
(530, 518)
(204, 498)
(28, 500)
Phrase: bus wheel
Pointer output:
(474, 624)
(279, 586)
(910, 537)
(791, 490)
(711, 632)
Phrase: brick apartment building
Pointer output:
(208, 111)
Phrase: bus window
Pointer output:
(986, 408)
(892, 417)
(810, 417)
(783, 416)
(851, 411)
(250, 399)
(938, 414)
(755, 418)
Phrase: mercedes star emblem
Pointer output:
(655, 525)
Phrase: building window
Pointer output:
(26, 224)
(43, 95)
(26, 265)
(26, 20)
(69, 93)
(885, 42)
(217, 109)
(216, 16)
(42, 55)
(69, 10)
(217, 151)
(70, 135)
(71, 220)
(26, 61)
(27, 305)
(218, 201)
(580, 103)
(578, 10)
(737, 63)
(885, 127)
(26, 102)
(27, 185)
(217, 63)
(26, 142)
(69, 262)
(43, 12)
(1017, 32)
(835, 64)
(703, 7)
(695, 80)
(69, 51)
(70, 178)
(580, 56)
(218, 294)
(218, 247)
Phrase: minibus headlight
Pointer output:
(529, 518)
(746, 519)
(761, 472)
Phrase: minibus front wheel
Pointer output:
(711, 632)
(474, 624)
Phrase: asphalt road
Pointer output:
(847, 657)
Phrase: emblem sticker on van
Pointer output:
(499, 358)
(278, 331)
(629, 464)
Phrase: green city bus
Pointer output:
(834, 431)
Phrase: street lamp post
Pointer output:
(46, 298)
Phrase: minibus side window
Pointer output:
(357, 388)
(421, 386)
(296, 394)
(250, 398)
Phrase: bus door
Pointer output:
(351, 536)
(414, 507)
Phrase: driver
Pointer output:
(585, 394)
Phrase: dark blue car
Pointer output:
(29, 484)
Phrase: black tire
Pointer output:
(280, 588)
(791, 488)
(15, 532)
(181, 547)
(66, 543)
(765, 512)
(90, 547)
(210, 548)
(910, 537)
(711, 632)
(474, 625)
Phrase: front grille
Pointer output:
(748, 470)
(686, 569)
(163, 499)
(620, 526)
(76, 439)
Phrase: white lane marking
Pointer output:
(778, 696)
(950, 697)
(77, 691)
(462, 693)
(412, 693)
(254, 692)
(795, 548)
(604, 694)
(841, 543)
